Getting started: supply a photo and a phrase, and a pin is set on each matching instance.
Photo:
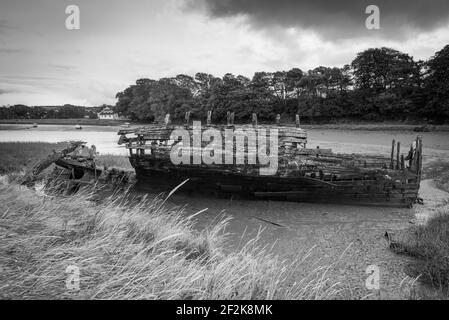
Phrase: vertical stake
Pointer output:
(254, 120)
(392, 155)
(209, 117)
(187, 118)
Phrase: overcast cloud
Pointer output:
(41, 62)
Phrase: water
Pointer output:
(103, 137)
(436, 144)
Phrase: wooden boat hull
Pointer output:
(301, 174)
(379, 192)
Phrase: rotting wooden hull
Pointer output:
(302, 174)
(394, 191)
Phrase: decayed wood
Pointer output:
(301, 172)
(31, 175)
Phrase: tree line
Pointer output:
(21, 111)
(379, 84)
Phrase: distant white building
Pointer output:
(108, 114)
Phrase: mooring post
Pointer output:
(232, 118)
(278, 119)
(411, 156)
(402, 162)
(254, 120)
(209, 118)
(167, 119)
(392, 154)
(228, 118)
(187, 118)
(297, 121)
(398, 152)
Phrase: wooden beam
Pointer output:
(392, 155)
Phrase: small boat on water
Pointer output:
(78, 127)
(302, 174)
(125, 125)
(34, 125)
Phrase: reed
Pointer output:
(130, 248)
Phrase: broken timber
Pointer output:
(303, 174)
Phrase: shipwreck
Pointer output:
(227, 159)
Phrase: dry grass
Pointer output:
(429, 243)
(132, 249)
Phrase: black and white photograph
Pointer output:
(225, 155)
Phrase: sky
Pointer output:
(44, 63)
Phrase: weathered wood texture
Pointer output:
(32, 174)
(302, 174)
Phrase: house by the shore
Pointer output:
(108, 114)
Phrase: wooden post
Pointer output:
(419, 157)
(411, 156)
(278, 119)
(228, 118)
(254, 120)
(392, 155)
(398, 152)
(209, 117)
(187, 118)
(297, 121)
(167, 119)
(232, 118)
(402, 162)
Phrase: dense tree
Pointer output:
(379, 84)
(437, 85)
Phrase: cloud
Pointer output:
(341, 19)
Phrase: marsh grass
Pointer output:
(129, 248)
(429, 244)
(18, 157)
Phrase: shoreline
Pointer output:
(329, 126)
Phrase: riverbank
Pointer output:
(83, 247)
(329, 126)
(17, 157)
(82, 121)
(342, 240)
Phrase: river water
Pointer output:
(292, 229)
(436, 144)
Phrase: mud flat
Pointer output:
(350, 238)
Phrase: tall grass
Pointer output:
(429, 244)
(133, 249)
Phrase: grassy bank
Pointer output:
(429, 244)
(127, 248)
(18, 157)
(144, 251)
